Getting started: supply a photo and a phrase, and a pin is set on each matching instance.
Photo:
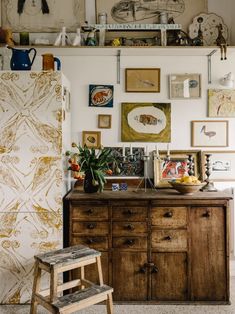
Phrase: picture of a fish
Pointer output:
(147, 119)
(91, 139)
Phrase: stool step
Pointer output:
(67, 256)
(81, 299)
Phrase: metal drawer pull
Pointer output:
(129, 227)
(89, 211)
(207, 214)
(90, 241)
(154, 270)
(128, 212)
(142, 270)
(129, 242)
(168, 214)
(168, 238)
(91, 226)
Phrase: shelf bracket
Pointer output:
(209, 64)
(119, 66)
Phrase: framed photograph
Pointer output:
(42, 16)
(100, 95)
(91, 139)
(222, 165)
(209, 133)
(221, 103)
(185, 86)
(104, 121)
(148, 11)
(143, 80)
(146, 122)
(175, 168)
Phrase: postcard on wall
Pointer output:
(222, 165)
(101, 95)
(146, 122)
(185, 86)
(221, 103)
(210, 133)
(142, 11)
(42, 15)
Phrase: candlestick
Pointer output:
(130, 149)
(168, 149)
(157, 151)
(146, 150)
(123, 151)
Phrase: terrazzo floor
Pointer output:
(141, 309)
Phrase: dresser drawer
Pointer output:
(98, 243)
(90, 227)
(169, 240)
(90, 212)
(129, 213)
(169, 217)
(129, 228)
(130, 242)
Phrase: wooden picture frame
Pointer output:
(142, 80)
(101, 95)
(104, 121)
(185, 86)
(222, 165)
(175, 168)
(207, 133)
(92, 139)
(221, 103)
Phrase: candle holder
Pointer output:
(190, 164)
(209, 187)
(146, 180)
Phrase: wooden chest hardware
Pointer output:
(170, 247)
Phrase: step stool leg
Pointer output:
(53, 285)
(99, 270)
(109, 304)
(82, 276)
(36, 287)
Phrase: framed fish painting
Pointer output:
(92, 139)
(146, 122)
(100, 95)
(143, 80)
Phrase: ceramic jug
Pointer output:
(48, 62)
(20, 60)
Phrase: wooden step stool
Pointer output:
(59, 261)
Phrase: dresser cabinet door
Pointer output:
(169, 277)
(208, 256)
(129, 276)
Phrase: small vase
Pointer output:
(87, 184)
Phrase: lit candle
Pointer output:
(168, 149)
(123, 150)
(130, 149)
(157, 151)
(146, 150)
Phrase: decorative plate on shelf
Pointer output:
(209, 29)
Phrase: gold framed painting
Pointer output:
(92, 139)
(104, 121)
(146, 122)
(185, 86)
(221, 103)
(176, 167)
(142, 80)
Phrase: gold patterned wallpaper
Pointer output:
(30, 176)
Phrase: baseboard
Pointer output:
(232, 268)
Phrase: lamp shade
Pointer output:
(228, 80)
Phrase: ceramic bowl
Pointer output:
(187, 189)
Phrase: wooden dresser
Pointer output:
(156, 246)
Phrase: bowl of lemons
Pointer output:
(187, 185)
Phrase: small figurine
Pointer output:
(62, 39)
(91, 40)
(198, 41)
(221, 41)
(77, 40)
(116, 42)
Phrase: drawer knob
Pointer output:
(168, 214)
(91, 226)
(142, 270)
(207, 214)
(168, 238)
(89, 211)
(154, 270)
(129, 227)
(90, 241)
(128, 212)
(130, 242)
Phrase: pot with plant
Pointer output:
(91, 165)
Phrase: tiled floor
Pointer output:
(142, 309)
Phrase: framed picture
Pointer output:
(101, 95)
(221, 103)
(175, 168)
(91, 139)
(125, 11)
(43, 15)
(143, 80)
(222, 165)
(185, 86)
(146, 122)
(209, 133)
(104, 121)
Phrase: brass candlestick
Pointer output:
(209, 187)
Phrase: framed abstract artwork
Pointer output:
(176, 167)
(185, 86)
(104, 121)
(101, 95)
(206, 133)
(91, 139)
(146, 122)
(42, 15)
(222, 165)
(143, 80)
(221, 103)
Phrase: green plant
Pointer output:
(95, 161)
